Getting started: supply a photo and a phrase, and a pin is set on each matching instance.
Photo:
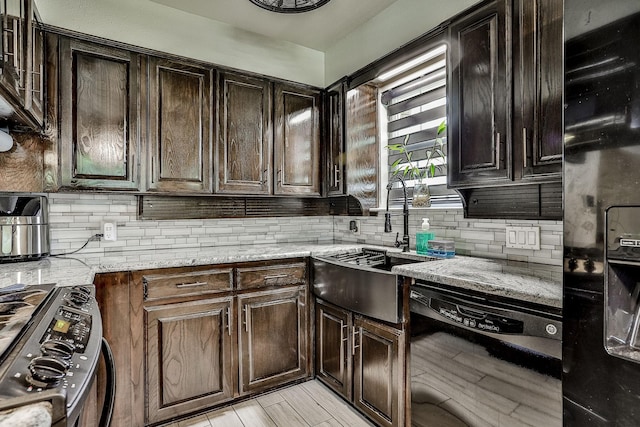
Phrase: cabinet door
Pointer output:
(333, 347)
(14, 19)
(22, 62)
(378, 360)
(34, 60)
(335, 116)
(273, 338)
(180, 103)
(297, 140)
(538, 79)
(188, 357)
(480, 99)
(245, 136)
(99, 104)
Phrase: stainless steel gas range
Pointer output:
(50, 344)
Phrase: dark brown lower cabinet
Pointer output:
(333, 347)
(364, 361)
(189, 356)
(187, 339)
(377, 381)
(273, 337)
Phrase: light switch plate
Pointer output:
(523, 237)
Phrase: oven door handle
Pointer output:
(110, 392)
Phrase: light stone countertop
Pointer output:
(536, 283)
(80, 268)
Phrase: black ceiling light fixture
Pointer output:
(289, 6)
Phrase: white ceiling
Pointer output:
(318, 29)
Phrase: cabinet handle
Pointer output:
(336, 174)
(343, 334)
(191, 285)
(524, 147)
(229, 320)
(246, 318)
(279, 176)
(353, 342)
(497, 150)
(275, 276)
(264, 177)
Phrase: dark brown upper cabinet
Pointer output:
(180, 127)
(537, 64)
(98, 116)
(244, 135)
(501, 133)
(296, 140)
(480, 98)
(334, 122)
(22, 64)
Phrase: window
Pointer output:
(413, 105)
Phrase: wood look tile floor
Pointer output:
(455, 383)
(308, 404)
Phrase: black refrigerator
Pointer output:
(601, 311)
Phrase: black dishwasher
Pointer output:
(478, 359)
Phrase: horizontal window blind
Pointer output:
(416, 107)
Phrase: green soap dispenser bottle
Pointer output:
(423, 236)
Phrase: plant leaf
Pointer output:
(442, 127)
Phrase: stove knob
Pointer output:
(57, 348)
(78, 297)
(572, 264)
(81, 289)
(589, 265)
(46, 372)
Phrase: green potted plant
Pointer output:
(408, 169)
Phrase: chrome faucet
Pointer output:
(404, 243)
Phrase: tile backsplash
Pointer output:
(476, 237)
(74, 217)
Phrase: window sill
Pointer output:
(429, 209)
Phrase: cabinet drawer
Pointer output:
(157, 286)
(271, 275)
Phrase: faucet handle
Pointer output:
(398, 242)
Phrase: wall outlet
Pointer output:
(109, 231)
(523, 237)
(354, 226)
